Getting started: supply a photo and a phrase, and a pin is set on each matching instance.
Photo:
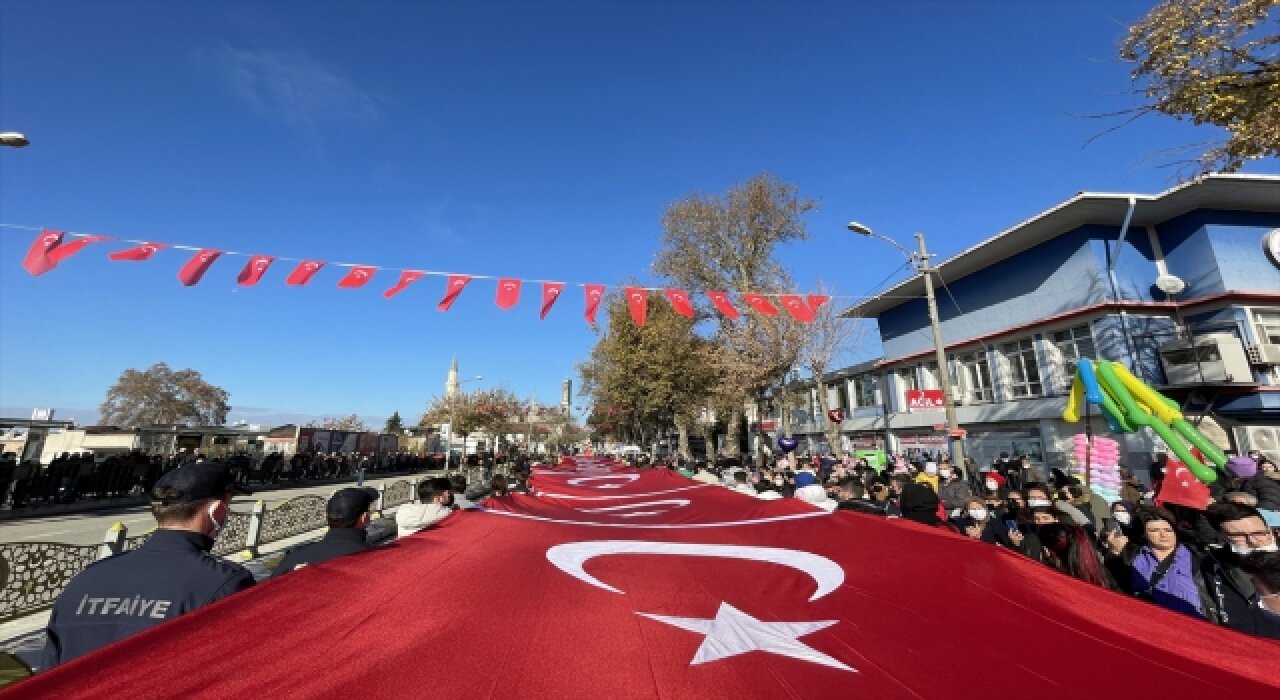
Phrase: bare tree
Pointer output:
(352, 423)
(829, 340)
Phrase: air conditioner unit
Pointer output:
(1266, 354)
(1265, 439)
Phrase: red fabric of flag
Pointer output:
(407, 277)
(1181, 487)
(452, 289)
(817, 300)
(508, 294)
(795, 306)
(37, 260)
(760, 303)
(138, 252)
(303, 273)
(594, 293)
(660, 586)
(194, 270)
(680, 302)
(254, 270)
(550, 293)
(358, 277)
(66, 250)
(722, 303)
(637, 304)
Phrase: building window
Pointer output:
(866, 387)
(931, 378)
(1072, 345)
(1268, 326)
(975, 372)
(1024, 373)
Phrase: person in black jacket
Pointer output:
(1233, 600)
(172, 573)
(1247, 479)
(348, 516)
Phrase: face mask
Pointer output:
(1244, 549)
(978, 513)
(217, 526)
(1122, 516)
(1038, 503)
(945, 473)
(930, 470)
(778, 481)
(992, 485)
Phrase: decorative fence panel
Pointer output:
(293, 517)
(233, 535)
(32, 574)
(397, 493)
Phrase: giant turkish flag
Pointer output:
(724, 596)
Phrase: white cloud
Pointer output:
(294, 88)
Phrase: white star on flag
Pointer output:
(734, 632)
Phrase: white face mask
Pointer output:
(944, 473)
(1244, 549)
(930, 469)
(992, 484)
(1038, 503)
(978, 513)
(1122, 516)
(217, 526)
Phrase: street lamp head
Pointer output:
(13, 139)
(860, 229)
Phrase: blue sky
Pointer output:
(538, 140)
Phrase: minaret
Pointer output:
(451, 383)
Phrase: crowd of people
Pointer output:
(1215, 557)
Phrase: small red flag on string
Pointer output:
(254, 269)
(508, 292)
(199, 264)
(722, 303)
(66, 250)
(138, 252)
(303, 273)
(407, 277)
(452, 290)
(550, 293)
(594, 293)
(637, 304)
(795, 306)
(358, 277)
(680, 302)
(817, 300)
(761, 304)
(37, 261)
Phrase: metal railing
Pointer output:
(32, 574)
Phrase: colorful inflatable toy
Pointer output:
(1128, 405)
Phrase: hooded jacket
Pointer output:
(413, 517)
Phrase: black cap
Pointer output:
(348, 504)
(197, 481)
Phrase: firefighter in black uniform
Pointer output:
(172, 573)
(347, 514)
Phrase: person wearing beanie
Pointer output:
(929, 476)
(1245, 477)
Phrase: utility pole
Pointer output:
(956, 443)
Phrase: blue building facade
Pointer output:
(1179, 286)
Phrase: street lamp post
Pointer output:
(920, 260)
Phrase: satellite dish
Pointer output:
(1170, 284)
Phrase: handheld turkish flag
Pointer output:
(680, 302)
(199, 264)
(254, 270)
(761, 304)
(651, 585)
(1181, 487)
(508, 293)
(66, 250)
(37, 260)
(138, 252)
(303, 273)
(452, 289)
(407, 277)
(550, 293)
(817, 300)
(795, 306)
(594, 293)
(358, 277)
(637, 304)
(722, 303)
